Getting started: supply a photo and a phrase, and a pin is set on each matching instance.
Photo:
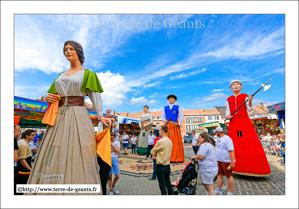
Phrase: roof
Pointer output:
(259, 110)
(88, 105)
(211, 111)
(194, 112)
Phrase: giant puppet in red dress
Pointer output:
(249, 153)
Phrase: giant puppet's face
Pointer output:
(70, 53)
(236, 86)
(108, 112)
(145, 109)
(171, 100)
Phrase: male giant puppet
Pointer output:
(170, 114)
(250, 156)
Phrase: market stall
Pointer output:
(265, 123)
(213, 125)
(30, 113)
(279, 109)
(130, 125)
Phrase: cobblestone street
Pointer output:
(136, 169)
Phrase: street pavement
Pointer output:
(136, 169)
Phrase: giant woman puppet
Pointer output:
(67, 154)
(145, 124)
(250, 156)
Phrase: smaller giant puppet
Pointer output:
(173, 115)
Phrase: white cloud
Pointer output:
(115, 88)
(218, 90)
(31, 91)
(151, 84)
(39, 38)
(87, 100)
(153, 101)
(211, 98)
(251, 45)
(137, 92)
(153, 94)
(184, 75)
(138, 101)
(142, 100)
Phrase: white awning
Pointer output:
(268, 116)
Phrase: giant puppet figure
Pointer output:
(145, 124)
(250, 156)
(173, 115)
(68, 152)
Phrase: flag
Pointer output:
(103, 141)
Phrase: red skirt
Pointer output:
(174, 134)
(250, 157)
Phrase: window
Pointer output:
(210, 117)
(201, 119)
(191, 120)
(158, 117)
(216, 117)
(188, 120)
(187, 128)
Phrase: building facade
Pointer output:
(191, 120)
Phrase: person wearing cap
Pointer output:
(115, 149)
(226, 160)
(249, 152)
(172, 115)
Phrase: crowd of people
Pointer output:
(274, 144)
(214, 154)
(28, 142)
(26, 145)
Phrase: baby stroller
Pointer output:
(187, 184)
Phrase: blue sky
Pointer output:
(142, 65)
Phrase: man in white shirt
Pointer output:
(151, 140)
(133, 143)
(173, 116)
(125, 138)
(195, 142)
(226, 161)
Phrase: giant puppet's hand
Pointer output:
(250, 98)
(51, 98)
(105, 120)
(228, 117)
